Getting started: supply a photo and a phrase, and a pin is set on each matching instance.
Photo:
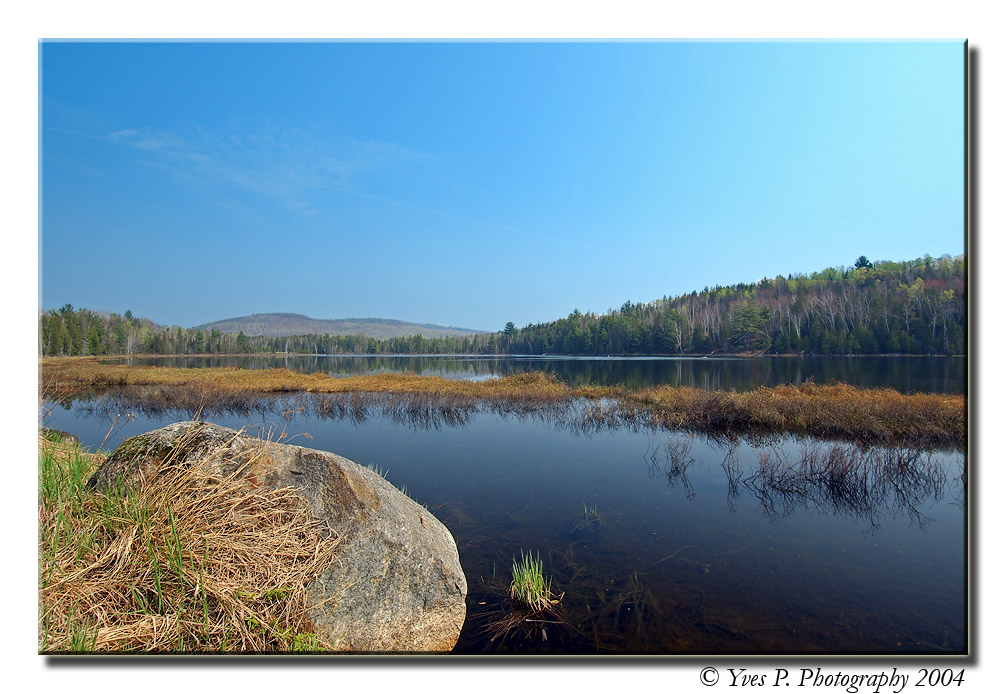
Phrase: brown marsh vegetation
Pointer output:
(837, 411)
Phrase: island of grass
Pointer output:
(865, 415)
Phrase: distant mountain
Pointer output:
(284, 324)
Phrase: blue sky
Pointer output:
(473, 184)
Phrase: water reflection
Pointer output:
(844, 479)
(905, 374)
(849, 481)
(661, 541)
(671, 462)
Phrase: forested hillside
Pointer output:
(913, 307)
(81, 332)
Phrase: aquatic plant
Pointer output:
(529, 587)
(590, 519)
(630, 612)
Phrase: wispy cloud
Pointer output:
(286, 165)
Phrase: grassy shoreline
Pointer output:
(168, 566)
(866, 415)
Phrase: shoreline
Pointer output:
(864, 415)
(630, 355)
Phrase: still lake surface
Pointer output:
(662, 542)
(904, 374)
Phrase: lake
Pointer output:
(904, 374)
(662, 542)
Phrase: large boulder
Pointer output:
(396, 585)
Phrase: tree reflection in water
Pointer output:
(846, 479)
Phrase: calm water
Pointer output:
(905, 374)
(663, 542)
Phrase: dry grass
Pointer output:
(184, 562)
(835, 410)
(866, 415)
(91, 373)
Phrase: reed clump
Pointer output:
(530, 589)
(181, 562)
(530, 608)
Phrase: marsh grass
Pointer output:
(93, 374)
(591, 516)
(590, 521)
(868, 416)
(530, 588)
(527, 608)
(608, 611)
(626, 611)
(835, 410)
(182, 562)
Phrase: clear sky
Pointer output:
(473, 184)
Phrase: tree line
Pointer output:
(82, 332)
(910, 307)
